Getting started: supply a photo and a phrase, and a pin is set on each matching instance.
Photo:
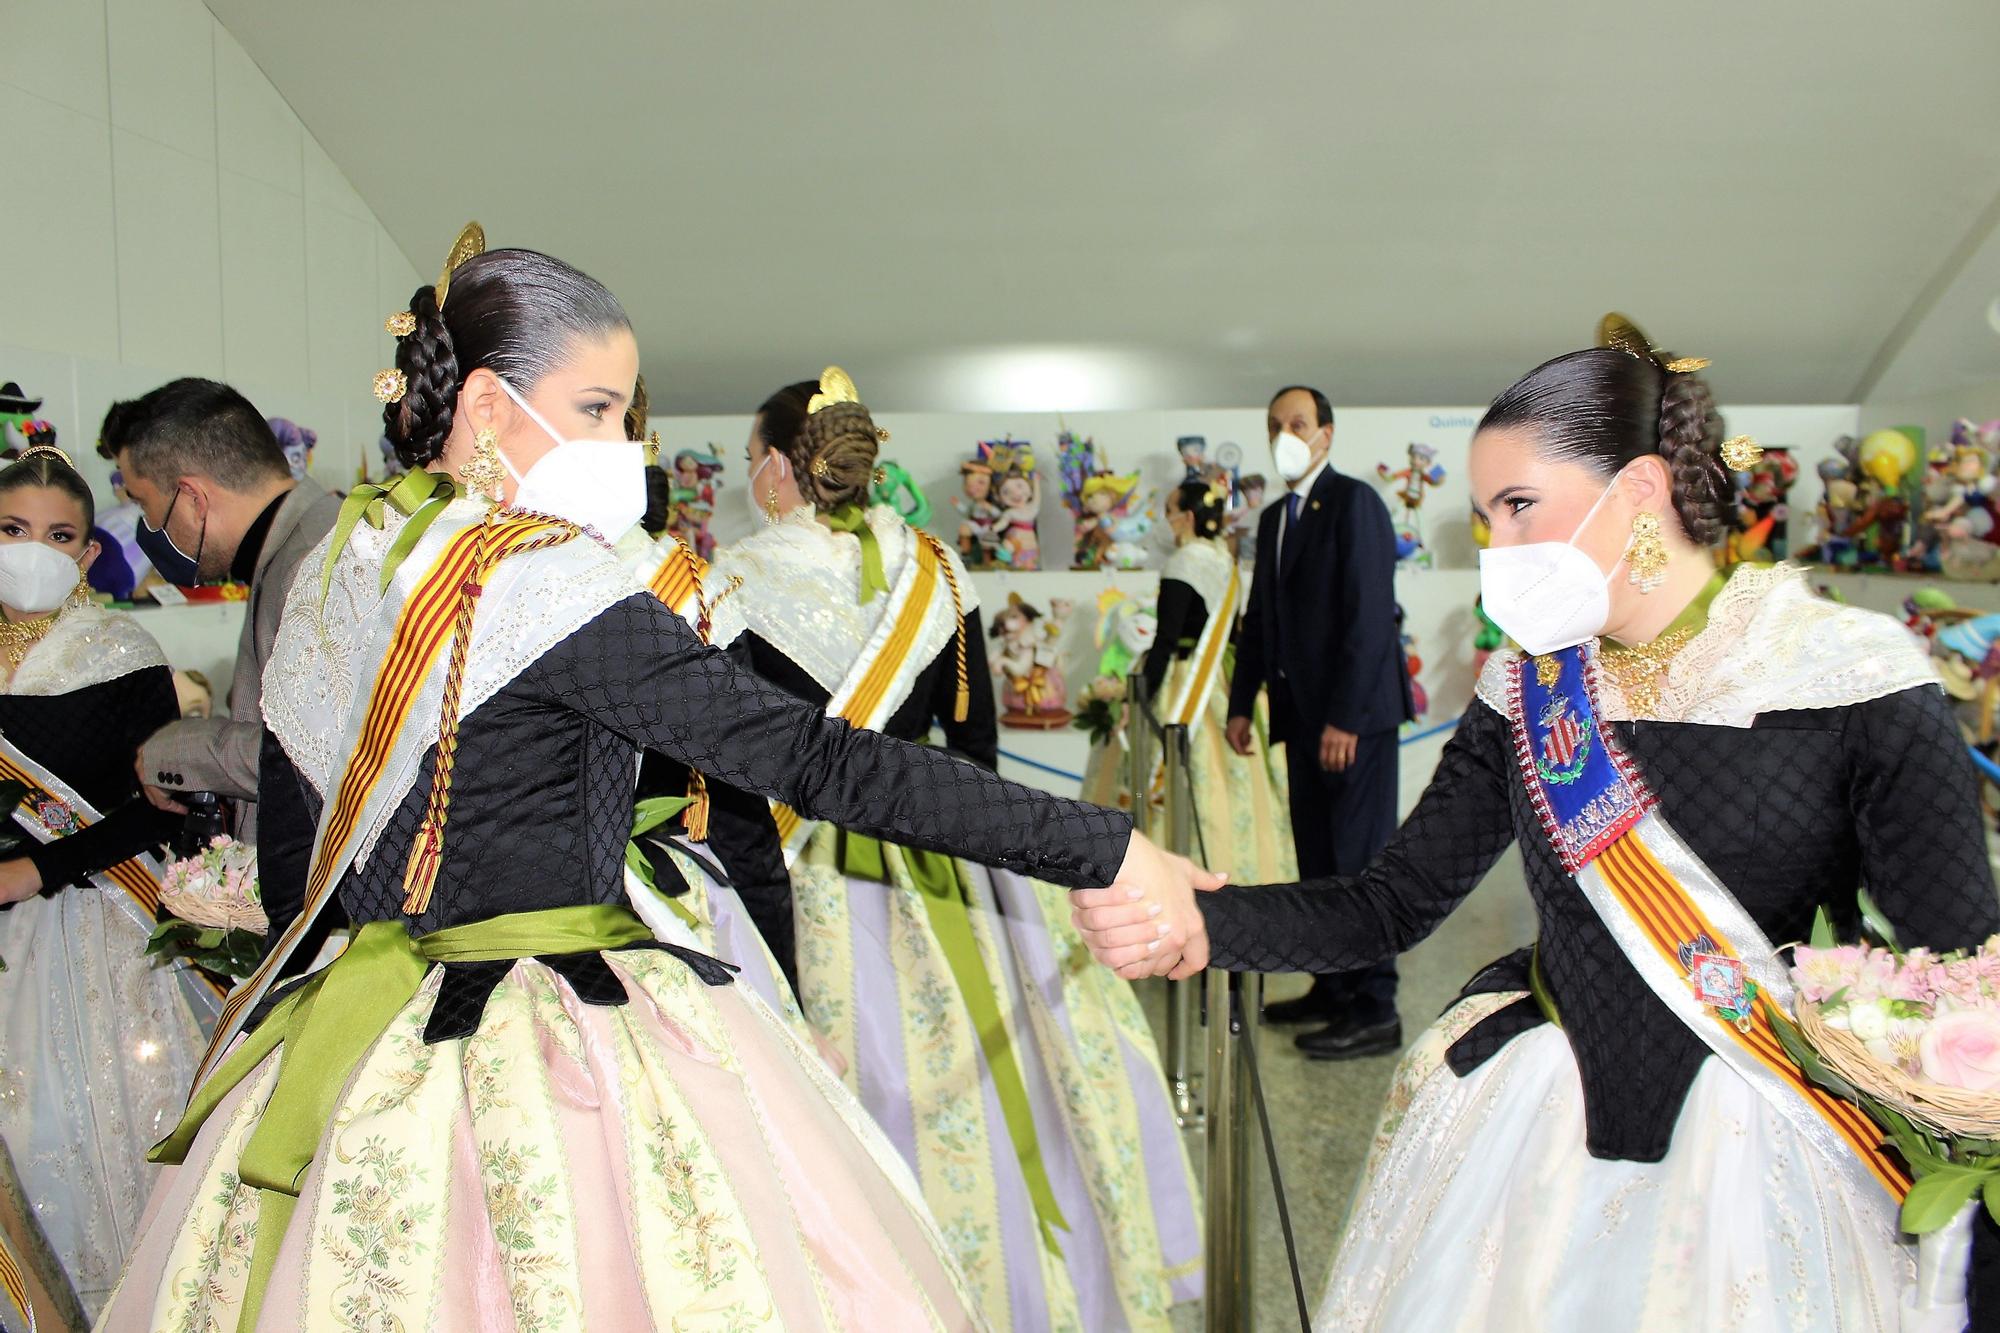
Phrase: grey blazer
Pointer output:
(219, 754)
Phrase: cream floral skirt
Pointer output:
(681, 1161)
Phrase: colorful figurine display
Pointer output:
(1028, 664)
(1420, 474)
(17, 416)
(1763, 512)
(1102, 502)
(697, 476)
(986, 539)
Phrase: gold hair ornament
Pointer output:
(652, 449)
(391, 385)
(402, 324)
(1618, 332)
(835, 386)
(1740, 453)
(471, 241)
(51, 450)
(819, 467)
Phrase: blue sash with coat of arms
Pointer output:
(1583, 787)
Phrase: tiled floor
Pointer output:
(1322, 1115)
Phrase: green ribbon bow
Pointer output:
(417, 495)
(850, 517)
(328, 1025)
(648, 815)
(940, 884)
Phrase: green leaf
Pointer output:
(209, 938)
(1822, 930)
(1936, 1198)
(1991, 1191)
(1875, 923)
(654, 811)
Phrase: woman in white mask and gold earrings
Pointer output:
(1602, 1133)
(96, 1042)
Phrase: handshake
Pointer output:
(1147, 923)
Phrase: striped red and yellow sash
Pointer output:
(131, 875)
(1664, 912)
(422, 628)
(881, 672)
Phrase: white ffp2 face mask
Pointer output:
(1547, 596)
(1291, 456)
(35, 577)
(596, 484)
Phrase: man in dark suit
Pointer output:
(1320, 635)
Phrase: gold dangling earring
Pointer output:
(482, 474)
(1646, 555)
(80, 595)
(771, 505)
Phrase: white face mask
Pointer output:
(1547, 596)
(35, 577)
(1292, 456)
(596, 484)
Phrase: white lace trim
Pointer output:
(1770, 644)
(801, 585)
(87, 646)
(1204, 565)
(315, 676)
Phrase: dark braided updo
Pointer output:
(832, 451)
(1606, 407)
(514, 312)
(1206, 502)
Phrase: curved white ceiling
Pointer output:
(1177, 204)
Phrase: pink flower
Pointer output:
(1917, 979)
(1962, 1050)
(1821, 972)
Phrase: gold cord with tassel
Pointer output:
(963, 700)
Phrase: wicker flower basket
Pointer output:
(1950, 1111)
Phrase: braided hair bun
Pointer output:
(418, 425)
(839, 444)
(1691, 442)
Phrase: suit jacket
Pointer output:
(1320, 627)
(219, 754)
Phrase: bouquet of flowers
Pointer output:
(1099, 714)
(1913, 1039)
(213, 910)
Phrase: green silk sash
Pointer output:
(329, 1023)
(942, 888)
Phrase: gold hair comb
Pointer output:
(391, 385)
(471, 241)
(835, 386)
(402, 324)
(49, 449)
(1619, 333)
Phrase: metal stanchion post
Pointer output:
(1229, 1233)
(1177, 835)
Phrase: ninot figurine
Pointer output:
(1033, 696)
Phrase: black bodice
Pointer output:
(1798, 810)
(1182, 615)
(541, 802)
(88, 738)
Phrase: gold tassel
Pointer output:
(695, 818)
(962, 701)
(422, 872)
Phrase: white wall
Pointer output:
(168, 215)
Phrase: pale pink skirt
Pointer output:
(677, 1162)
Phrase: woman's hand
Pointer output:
(1147, 924)
(19, 880)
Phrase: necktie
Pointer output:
(1291, 508)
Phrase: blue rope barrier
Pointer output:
(1986, 766)
(1410, 739)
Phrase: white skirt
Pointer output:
(1484, 1211)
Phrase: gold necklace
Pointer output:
(19, 636)
(1640, 670)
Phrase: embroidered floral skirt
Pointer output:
(97, 1045)
(678, 1161)
(885, 978)
(1242, 802)
(1480, 1209)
